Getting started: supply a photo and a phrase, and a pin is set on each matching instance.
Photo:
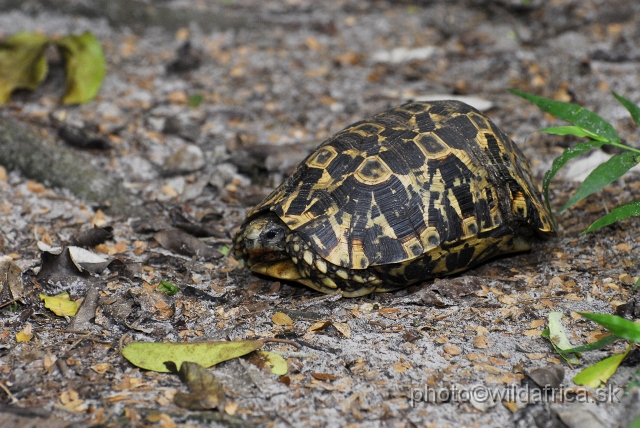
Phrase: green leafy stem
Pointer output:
(589, 125)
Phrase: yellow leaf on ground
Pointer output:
(152, 356)
(318, 326)
(60, 304)
(280, 318)
(25, 335)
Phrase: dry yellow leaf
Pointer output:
(60, 304)
(280, 318)
(25, 335)
(343, 328)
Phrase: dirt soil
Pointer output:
(206, 106)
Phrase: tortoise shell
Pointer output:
(422, 190)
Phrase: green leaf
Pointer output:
(22, 63)
(152, 356)
(635, 423)
(597, 374)
(569, 130)
(168, 288)
(574, 114)
(560, 161)
(617, 325)
(603, 342)
(195, 100)
(634, 110)
(605, 173)
(558, 337)
(224, 250)
(85, 66)
(276, 362)
(630, 209)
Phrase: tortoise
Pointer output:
(420, 191)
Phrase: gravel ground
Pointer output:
(275, 79)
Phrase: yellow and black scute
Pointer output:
(422, 190)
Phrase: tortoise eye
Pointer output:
(270, 234)
(273, 234)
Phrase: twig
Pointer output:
(330, 297)
(289, 342)
(13, 399)
(8, 303)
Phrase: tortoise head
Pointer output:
(263, 239)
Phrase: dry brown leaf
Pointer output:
(206, 391)
(480, 342)
(401, 366)
(231, 408)
(162, 419)
(313, 44)
(318, 326)
(507, 300)
(484, 292)
(532, 333)
(343, 328)
(280, 318)
(496, 291)
(481, 330)
(498, 361)
(49, 361)
(128, 383)
(452, 350)
(101, 368)
(536, 356)
(168, 190)
(98, 219)
(178, 97)
(506, 378)
(511, 406)
(622, 247)
(537, 323)
(547, 302)
(487, 368)
(35, 187)
(323, 376)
